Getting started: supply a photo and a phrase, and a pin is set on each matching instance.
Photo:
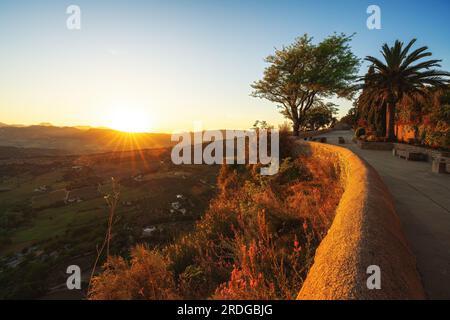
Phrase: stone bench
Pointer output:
(372, 145)
(440, 164)
(410, 155)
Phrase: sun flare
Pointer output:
(129, 120)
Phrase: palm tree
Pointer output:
(401, 75)
(371, 106)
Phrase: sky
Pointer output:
(167, 64)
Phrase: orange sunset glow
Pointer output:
(240, 151)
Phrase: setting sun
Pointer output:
(215, 152)
(129, 120)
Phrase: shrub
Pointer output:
(438, 136)
(193, 283)
(287, 143)
(146, 277)
(269, 267)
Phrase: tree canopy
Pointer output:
(403, 74)
(300, 74)
(321, 115)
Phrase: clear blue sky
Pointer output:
(179, 61)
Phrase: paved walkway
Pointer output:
(422, 200)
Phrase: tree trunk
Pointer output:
(390, 121)
(416, 134)
(296, 128)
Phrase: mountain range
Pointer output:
(78, 140)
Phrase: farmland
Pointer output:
(53, 212)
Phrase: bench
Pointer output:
(439, 164)
(410, 155)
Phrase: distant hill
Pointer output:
(78, 140)
(24, 153)
(11, 125)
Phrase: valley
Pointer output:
(53, 211)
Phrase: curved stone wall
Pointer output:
(366, 231)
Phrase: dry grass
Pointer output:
(145, 277)
(257, 240)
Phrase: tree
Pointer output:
(401, 75)
(262, 125)
(320, 115)
(351, 117)
(371, 107)
(301, 73)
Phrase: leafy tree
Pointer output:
(320, 115)
(351, 117)
(301, 73)
(403, 74)
(263, 124)
(435, 129)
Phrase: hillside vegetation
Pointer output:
(256, 240)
